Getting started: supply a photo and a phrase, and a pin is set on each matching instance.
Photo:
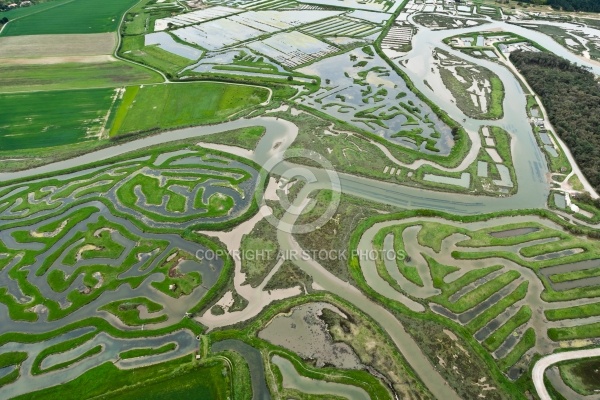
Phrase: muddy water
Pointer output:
(558, 254)
(449, 245)
(405, 343)
(260, 391)
(556, 380)
(571, 267)
(513, 232)
(277, 130)
(497, 322)
(293, 380)
(304, 333)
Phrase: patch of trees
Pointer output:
(569, 5)
(576, 5)
(571, 96)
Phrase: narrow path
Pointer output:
(544, 363)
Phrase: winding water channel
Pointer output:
(529, 164)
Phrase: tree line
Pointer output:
(569, 5)
(571, 96)
(576, 5)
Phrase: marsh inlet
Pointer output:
(513, 232)
(260, 391)
(558, 254)
(305, 333)
(571, 267)
(293, 380)
(591, 280)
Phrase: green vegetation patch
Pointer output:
(176, 283)
(501, 334)
(288, 276)
(259, 250)
(175, 379)
(147, 351)
(77, 16)
(211, 381)
(73, 76)
(128, 311)
(491, 89)
(571, 95)
(158, 107)
(47, 119)
(582, 311)
(12, 358)
(581, 375)
(526, 343)
(246, 138)
(133, 48)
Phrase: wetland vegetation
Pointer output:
(132, 271)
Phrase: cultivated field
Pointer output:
(27, 46)
(165, 106)
(46, 119)
(77, 16)
(73, 76)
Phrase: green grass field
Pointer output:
(46, 119)
(177, 379)
(208, 382)
(133, 48)
(77, 16)
(24, 11)
(166, 106)
(73, 76)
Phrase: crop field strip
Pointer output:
(47, 119)
(105, 241)
(398, 36)
(73, 75)
(39, 46)
(52, 118)
(194, 17)
(105, 18)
